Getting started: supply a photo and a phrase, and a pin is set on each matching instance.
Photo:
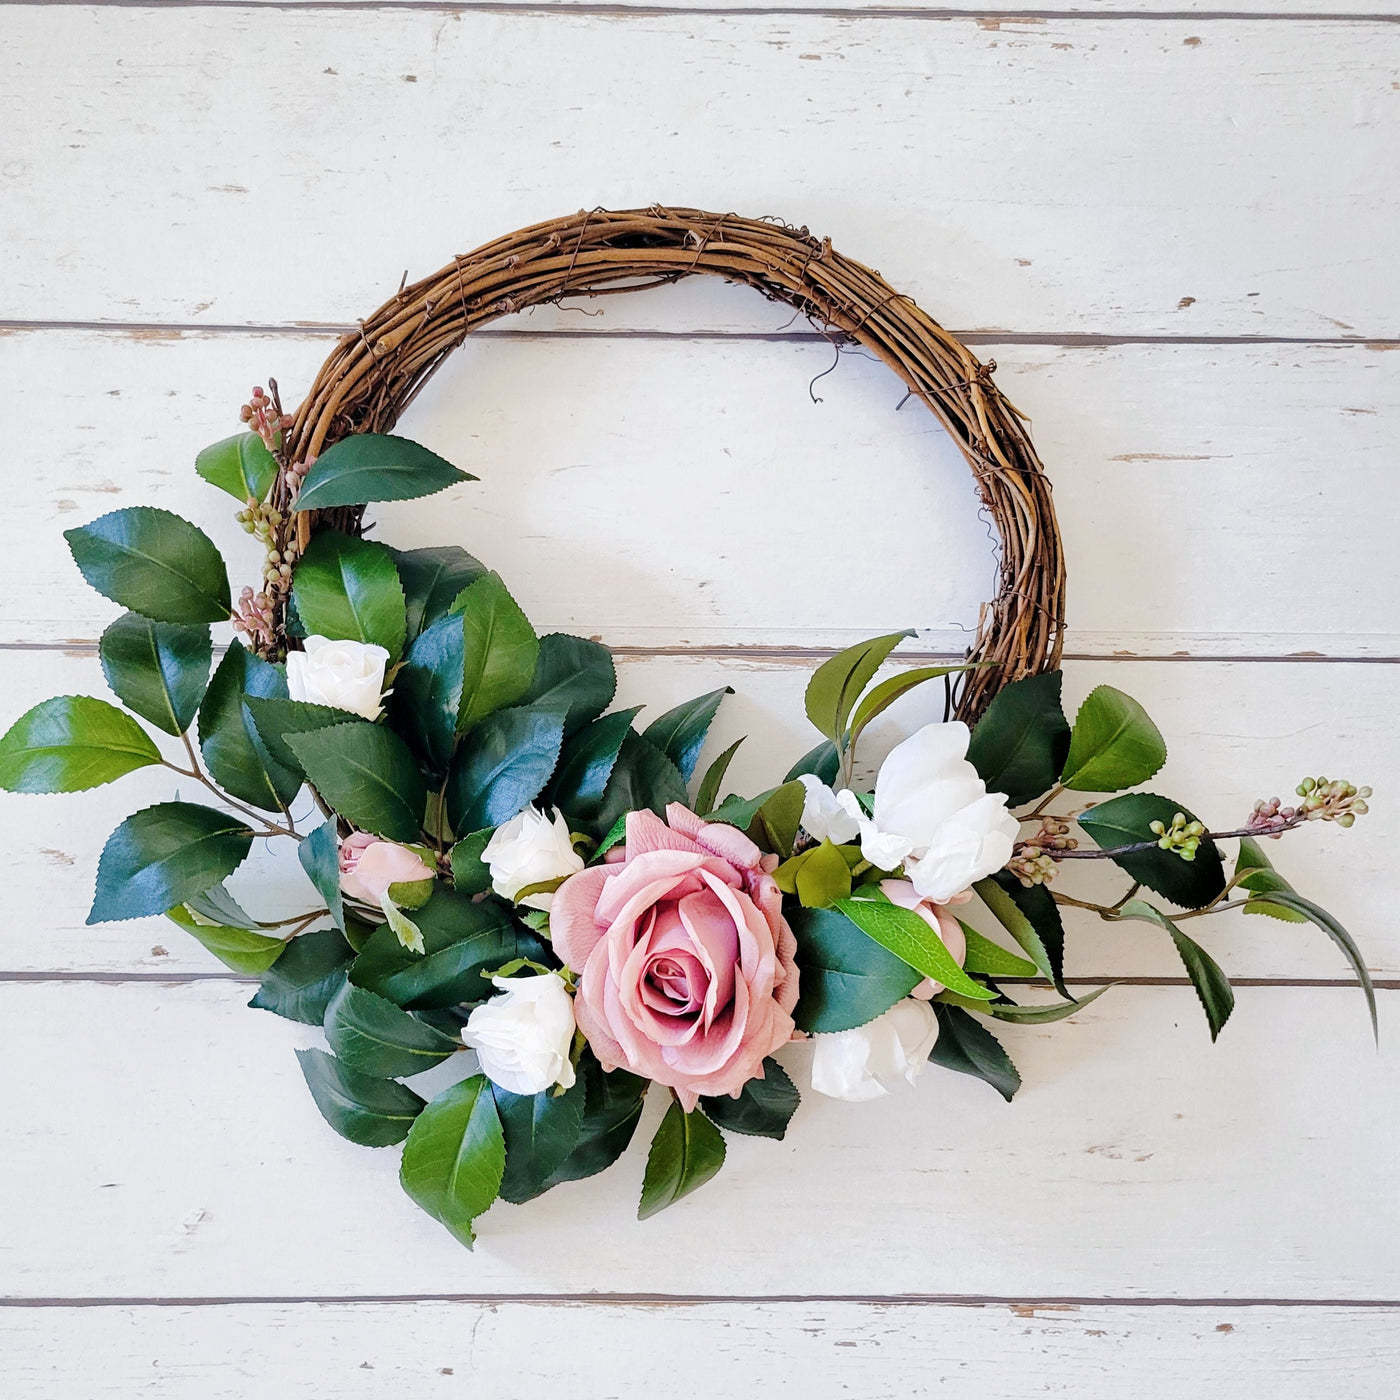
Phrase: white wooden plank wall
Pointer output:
(1176, 234)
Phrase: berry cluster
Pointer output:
(265, 417)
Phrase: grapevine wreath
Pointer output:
(502, 872)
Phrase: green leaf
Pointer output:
(240, 465)
(245, 952)
(882, 696)
(992, 959)
(1030, 1015)
(642, 777)
(1126, 820)
(502, 766)
(680, 732)
(1114, 744)
(1255, 871)
(72, 743)
(463, 942)
(1019, 745)
(427, 696)
(685, 1153)
(501, 650)
(764, 1107)
(909, 938)
(158, 669)
(301, 983)
(967, 1046)
(837, 684)
(1031, 916)
(216, 905)
(368, 776)
(846, 978)
(612, 1108)
(276, 717)
(233, 750)
(587, 764)
(1212, 986)
(164, 855)
(573, 675)
(404, 929)
(372, 1035)
(432, 580)
(708, 796)
(455, 1156)
(348, 589)
(774, 825)
(471, 874)
(374, 467)
(154, 563)
(541, 1130)
(368, 1111)
(1287, 899)
(823, 762)
(823, 876)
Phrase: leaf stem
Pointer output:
(1112, 852)
(194, 771)
(1043, 803)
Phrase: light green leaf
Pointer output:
(240, 465)
(368, 1111)
(405, 930)
(374, 467)
(368, 775)
(837, 684)
(248, 953)
(158, 669)
(1255, 871)
(882, 696)
(348, 589)
(822, 877)
(1114, 744)
(72, 743)
(685, 1153)
(992, 959)
(910, 939)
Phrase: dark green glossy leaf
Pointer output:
(1126, 820)
(154, 563)
(837, 684)
(248, 953)
(455, 1156)
(471, 874)
(1114, 745)
(368, 775)
(501, 650)
(502, 766)
(1027, 1015)
(301, 983)
(1008, 913)
(240, 465)
(846, 978)
(375, 467)
(463, 941)
(642, 777)
(72, 743)
(218, 906)
(586, 765)
(685, 1153)
(823, 762)
(707, 797)
(612, 1107)
(911, 939)
(157, 669)
(427, 696)
(541, 1130)
(1212, 986)
(368, 1111)
(319, 855)
(1019, 745)
(276, 717)
(233, 750)
(573, 675)
(966, 1045)
(1255, 872)
(164, 855)
(1032, 918)
(432, 581)
(372, 1035)
(764, 1107)
(680, 732)
(348, 589)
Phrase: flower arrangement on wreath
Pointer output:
(496, 863)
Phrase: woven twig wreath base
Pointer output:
(374, 374)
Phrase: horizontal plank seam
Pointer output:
(615, 11)
(180, 979)
(1072, 340)
(692, 1300)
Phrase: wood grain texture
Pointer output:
(1109, 176)
(167, 1147)
(630, 489)
(798, 1351)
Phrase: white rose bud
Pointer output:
(522, 1038)
(531, 850)
(863, 1063)
(825, 817)
(344, 675)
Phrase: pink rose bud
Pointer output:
(368, 866)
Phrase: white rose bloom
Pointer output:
(864, 1063)
(344, 675)
(824, 816)
(522, 1038)
(931, 805)
(530, 849)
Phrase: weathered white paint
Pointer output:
(256, 165)
(1199, 488)
(798, 1351)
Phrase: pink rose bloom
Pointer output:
(937, 917)
(368, 866)
(686, 964)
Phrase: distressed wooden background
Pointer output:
(1176, 233)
